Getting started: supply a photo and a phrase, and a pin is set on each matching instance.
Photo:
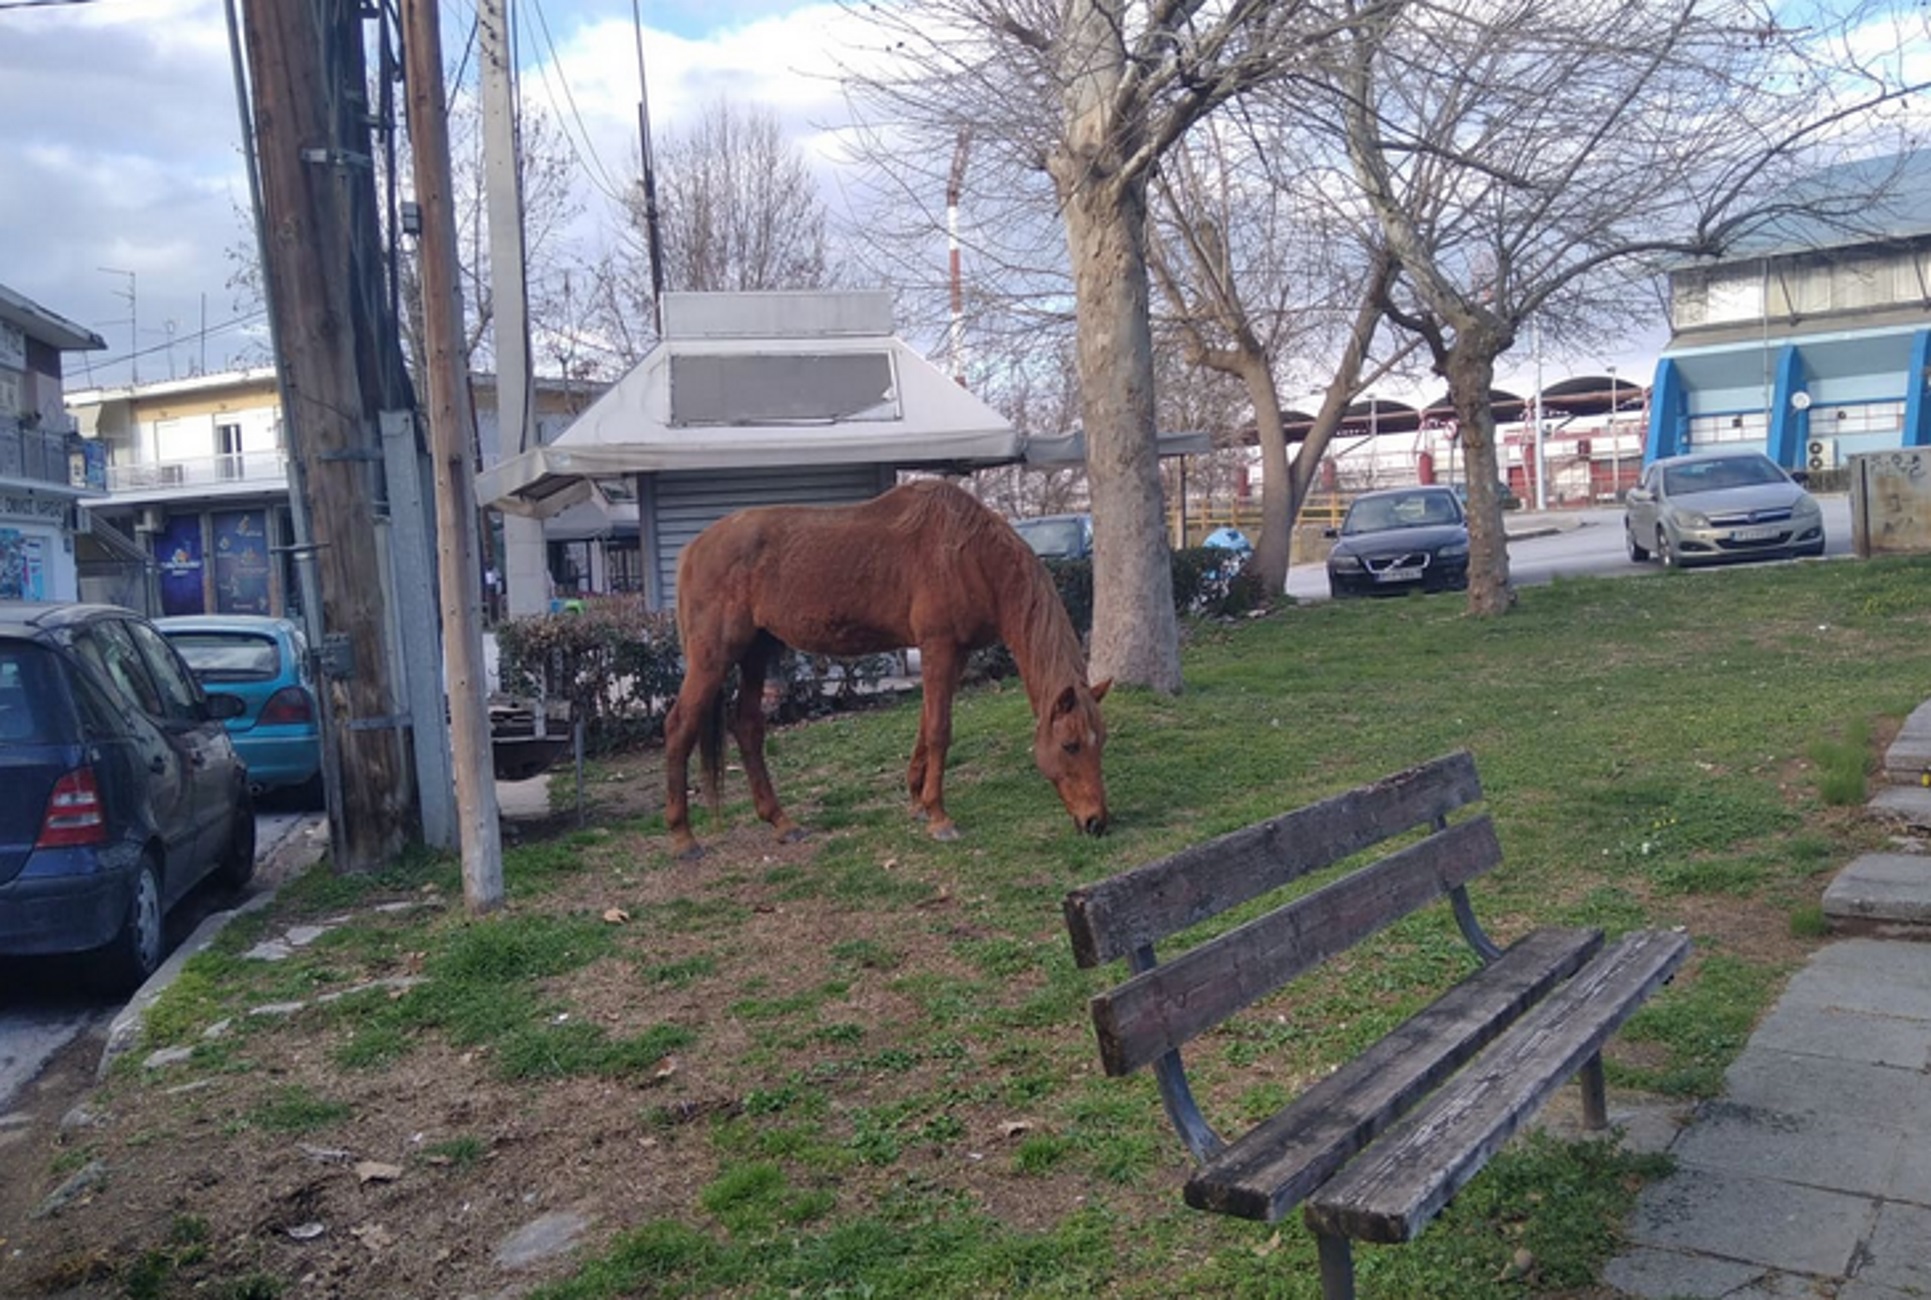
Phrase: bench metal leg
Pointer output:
(1595, 1102)
(1337, 1267)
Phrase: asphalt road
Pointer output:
(43, 1006)
(1575, 544)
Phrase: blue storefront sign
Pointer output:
(241, 562)
(177, 553)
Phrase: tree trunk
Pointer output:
(1279, 504)
(1471, 375)
(1136, 638)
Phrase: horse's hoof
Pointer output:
(791, 835)
(689, 854)
(945, 832)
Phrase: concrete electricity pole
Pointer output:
(339, 367)
(526, 566)
(450, 420)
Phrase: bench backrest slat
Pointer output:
(1114, 917)
(1160, 1009)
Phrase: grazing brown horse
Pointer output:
(922, 565)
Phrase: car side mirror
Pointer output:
(1637, 494)
(1800, 476)
(1330, 533)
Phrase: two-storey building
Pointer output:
(1811, 339)
(196, 471)
(45, 474)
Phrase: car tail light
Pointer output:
(75, 813)
(289, 704)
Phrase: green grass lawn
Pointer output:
(1668, 750)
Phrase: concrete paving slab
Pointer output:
(1850, 1091)
(1816, 1150)
(1889, 888)
(1880, 989)
(1752, 1221)
(1846, 1034)
(1666, 1274)
(1856, 1289)
(1874, 961)
(1908, 804)
(1782, 1286)
(1899, 1251)
(1912, 1183)
(1909, 756)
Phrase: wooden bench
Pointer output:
(1375, 1150)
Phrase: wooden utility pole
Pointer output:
(460, 574)
(338, 367)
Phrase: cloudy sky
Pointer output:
(123, 173)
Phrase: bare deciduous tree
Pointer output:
(1522, 160)
(1261, 275)
(1095, 92)
(740, 210)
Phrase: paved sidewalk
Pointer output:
(1811, 1174)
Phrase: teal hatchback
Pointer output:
(265, 662)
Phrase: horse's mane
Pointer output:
(1050, 654)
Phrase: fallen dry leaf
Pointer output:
(615, 915)
(375, 1171)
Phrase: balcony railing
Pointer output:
(33, 452)
(267, 468)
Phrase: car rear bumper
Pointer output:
(63, 901)
(278, 760)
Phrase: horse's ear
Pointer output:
(1099, 692)
(1065, 702)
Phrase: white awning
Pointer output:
(723, 390)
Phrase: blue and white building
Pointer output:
(1810, 340)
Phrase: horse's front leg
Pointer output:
(747, 725)
(940, 667)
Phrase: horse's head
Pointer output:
(1067, 744)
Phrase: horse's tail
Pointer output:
(710, 752)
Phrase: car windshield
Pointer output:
(1052, 537)
(1402, 510)
(1716, 475)
(228, 657)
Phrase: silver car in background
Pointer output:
(1718, 505)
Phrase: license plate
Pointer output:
(1407, 573)
(1755, 534)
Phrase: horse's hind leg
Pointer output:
(747, 724)
(689, 713)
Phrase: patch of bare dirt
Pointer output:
(436, 1163)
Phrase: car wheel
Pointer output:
(1637, 551)
(1665, 552)
(237, 866)
(135, 952)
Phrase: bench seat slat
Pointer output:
(1161, 1009)
(1274, 1165)
(1412, 1170)
(1111, 918)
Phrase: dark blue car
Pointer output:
(119, 789)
